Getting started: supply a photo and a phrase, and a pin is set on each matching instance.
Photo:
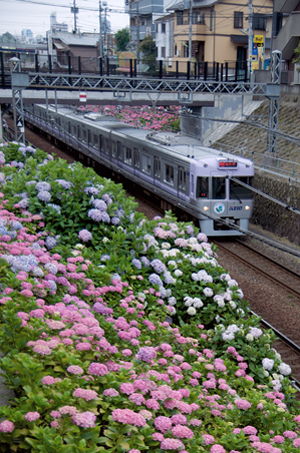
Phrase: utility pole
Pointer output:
(100, 31)
(137, 32)
(190, 29)
(250, 38)
(74, 10)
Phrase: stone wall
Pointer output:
(270, 215)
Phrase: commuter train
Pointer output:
(211, 186)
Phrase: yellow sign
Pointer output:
(258, 39)
(255, 65)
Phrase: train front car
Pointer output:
(221, 192)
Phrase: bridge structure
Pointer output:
(39, 87)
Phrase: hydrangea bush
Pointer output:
(127, 337)
(145, 117)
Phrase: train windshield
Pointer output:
(239, 192)
(202, 187)
(218, 188)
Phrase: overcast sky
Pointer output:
(16, 15)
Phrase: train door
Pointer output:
(182, 182)
(157, 171)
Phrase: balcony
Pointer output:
(285, 6)
(287, 39)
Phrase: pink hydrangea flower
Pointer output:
(98, 369)
(84, 419)
(182, 431)
(32, 416)
(48, 380)
(75, 369)
(171, 444)
(217, 448)
(6, 427)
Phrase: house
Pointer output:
(218, 31)
(286, 29)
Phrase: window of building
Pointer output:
(259, 22)
(163, 27)
(163, 52)
(198, 18)
(185, 49)
(219, 188)
(176, 53)
(238, 19)
(128, 156)
(169, 174)
(136, 158)
(182, 179)
(179, 15)
(146, 164)
(156, 51)
(156, 28)
(202, 187)
(211, 25)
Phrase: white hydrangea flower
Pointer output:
(225, 277)
(172, 301)
(217, 318)
(280, 377)
(172, 263)
(188, 301)
(232, 282)
(166, 245)
(228, 295)
(168, 293)
(255, 332)
(195, 277)
(239, 293)
(241, 312)
(249, 337)
(208, 292)
(275, 376)
(232, 304)
(233, 328)
(268, 364)
(284, 369)
(197, 302)
(221, 303)
(178, 273)
(227, 336)
(191, 311)
(266, 373)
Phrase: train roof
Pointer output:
(183, 146)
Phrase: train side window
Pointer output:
(101, 140)
(128, 155)
(113, 149)
(219, 188)
(169, 174)
(78, 133)
(96, 141)
(107, 147)
(156, 167)
(69, 128)
(136, 158)
(182, 179)
(83, 135)
(146, 164)
(74, 131)
(119, 151)
(202, 187)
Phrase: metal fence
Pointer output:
(233, 71)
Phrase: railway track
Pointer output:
(281, 276)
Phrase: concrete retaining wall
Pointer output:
(273, 217)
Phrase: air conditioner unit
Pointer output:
(178, 53)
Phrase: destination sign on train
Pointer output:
(227, 164)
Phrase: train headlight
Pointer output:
(206, 208)
(247, 207)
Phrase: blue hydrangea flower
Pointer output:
(95, 215)
(56, 207)
(43, 185)
(137, 263)
(65, 184)
(155, 279)
(50, 242)
(105, 217)
(43, 195)
(91, 190)
(100, 204)
(158, 266)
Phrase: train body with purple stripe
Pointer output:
(211, 186)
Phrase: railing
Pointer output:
(233, 71)
(267, 162)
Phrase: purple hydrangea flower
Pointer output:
(146, 354)
(85, 235)
(95, 215)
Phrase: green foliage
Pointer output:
(297, 53)
(122, 38)
(148, 49)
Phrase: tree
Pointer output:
(122, 38)
(297, 53)
(148, 49)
